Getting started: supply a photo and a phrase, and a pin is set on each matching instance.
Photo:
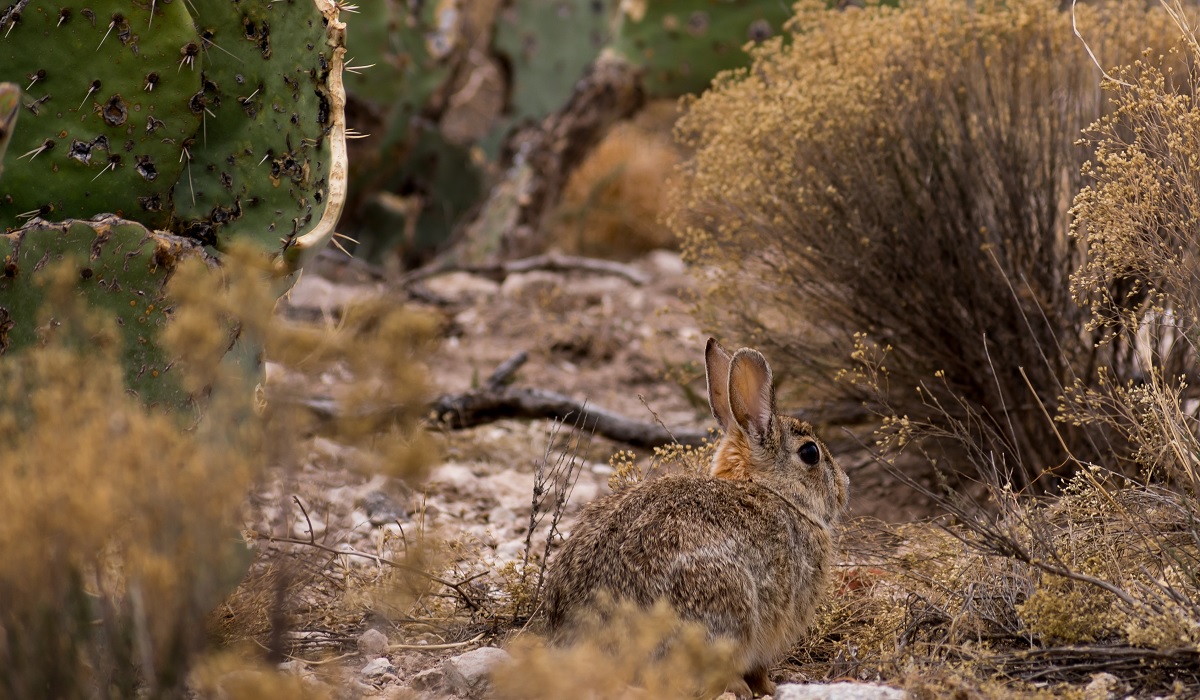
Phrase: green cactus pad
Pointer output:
(106, 112)
(207, 120)
(549, 44)
(10, 107)
(683, 44)
(261, 161)
(409, 47)
(123, 271)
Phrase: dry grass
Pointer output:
(122, 523)
(636, 653)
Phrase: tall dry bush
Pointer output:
(121, 527)
(1139, 219)
(1048, 590)
(882, 201)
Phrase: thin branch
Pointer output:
(456, 587)
(506, 370)
(1075, 28)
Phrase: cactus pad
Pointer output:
(202, 118)
(123, 271)
(683, 44)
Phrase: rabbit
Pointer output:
(745, 551)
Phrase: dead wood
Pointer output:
(551, 262)
(459, 411)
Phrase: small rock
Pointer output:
(1104, 686)
(529, 285)
(300, 528)
(315, 293)
(382, 509)
(462, 285)
(839, 691)
(295, 667)
(585, 491)
(456, 477)
(665, 263)
(512, 550)
(372, 643)
(430, 679)
(501, 516)
(513, 489)
(377, 667)
(468, 673)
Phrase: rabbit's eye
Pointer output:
(809, 453)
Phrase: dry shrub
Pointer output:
(906, 174)
(121, 528)
(1140, 281)
(1028, 593)
(674, 458)
(613, 202)
(633, 653)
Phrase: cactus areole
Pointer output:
(203, 119)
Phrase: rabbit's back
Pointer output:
(737, 557)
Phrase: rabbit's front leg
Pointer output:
(760, 682)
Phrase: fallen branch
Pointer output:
(1074, 664)
(435, 647)
(459, 411)
(550, 262)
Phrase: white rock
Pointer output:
(602, 469)
(527, 285)
(372, 643)
(377, 667)
(839, 691)
(462, 285)
(295, 667)
(501, 517)
(510, 551)
(300, 527)
(665, 263)
(513, 489)
(1104, 686)
(455, 476)
(314, 292)
(469, 673)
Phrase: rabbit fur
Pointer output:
(745, 551)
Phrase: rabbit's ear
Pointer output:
(751, 395)
(716, 371)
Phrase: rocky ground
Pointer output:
(627, 347)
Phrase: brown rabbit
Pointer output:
(746, 552)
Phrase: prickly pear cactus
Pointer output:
(410, 48)
(549, 44)
(123, 271)
(106, 114)
(205, 118)
(683, 44)
(10, 107)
